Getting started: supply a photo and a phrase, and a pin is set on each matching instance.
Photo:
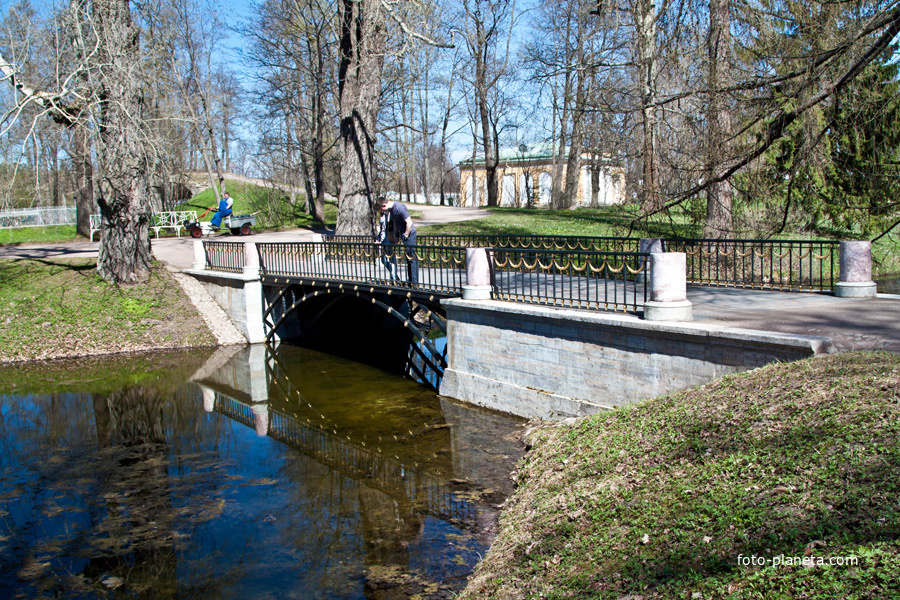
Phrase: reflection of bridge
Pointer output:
(524, 355)
(241, 384)
(429, 493)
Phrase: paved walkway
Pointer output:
(852, 324)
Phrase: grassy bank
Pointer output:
(661, 500)
(52, 309)
(272, 207)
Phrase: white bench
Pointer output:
(96, 223)
(172, 219)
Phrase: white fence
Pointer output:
(37, 217)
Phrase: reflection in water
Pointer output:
(294, 475)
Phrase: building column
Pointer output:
(668, 288)
(856, 271)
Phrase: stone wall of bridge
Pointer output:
(553, 363)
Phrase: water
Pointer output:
(889, 285)
(242, 473)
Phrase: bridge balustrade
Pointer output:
(224, 256)
(784, 265)
(563, 275)
(572, 279)
(442, 270)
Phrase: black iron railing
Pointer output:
(524, 242)
(224, 256)
(613, 281)
(786, 265)
(441, 270)
(530, 272)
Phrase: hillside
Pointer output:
(683, 496)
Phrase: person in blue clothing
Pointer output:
(404, 232)
(224, 210)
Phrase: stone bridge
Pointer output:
(539, 326)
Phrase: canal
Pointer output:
(242, 472)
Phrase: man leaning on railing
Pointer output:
(385, 237)
(403, 231)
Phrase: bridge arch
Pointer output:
(418, 318)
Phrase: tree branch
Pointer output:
(777, 125)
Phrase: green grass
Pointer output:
(659, 500)
(613, 221)
(51, 309)
(34, 235)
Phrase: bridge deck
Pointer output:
(853, 324)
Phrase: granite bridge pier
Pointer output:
(554, 327)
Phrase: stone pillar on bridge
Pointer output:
(209, 399)
(478, 275)
(199, 256)
(668, 288)
(648, 245)
(253, 296)
(856, 271)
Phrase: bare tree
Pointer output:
(719, 192)
(294, 48)
(487, 36)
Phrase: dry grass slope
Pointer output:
(660, 499)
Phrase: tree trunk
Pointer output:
(320, 132)
(557, 182)
(124, 194)
(646, 24)
(55, 187)
(83, 172)
(444, 126)
(719, 222)
(359, 77)
(576, 140)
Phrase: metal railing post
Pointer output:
(251, 260)
(199, 256)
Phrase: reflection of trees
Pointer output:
(388, 527)
(95, 501)
(138, 529)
